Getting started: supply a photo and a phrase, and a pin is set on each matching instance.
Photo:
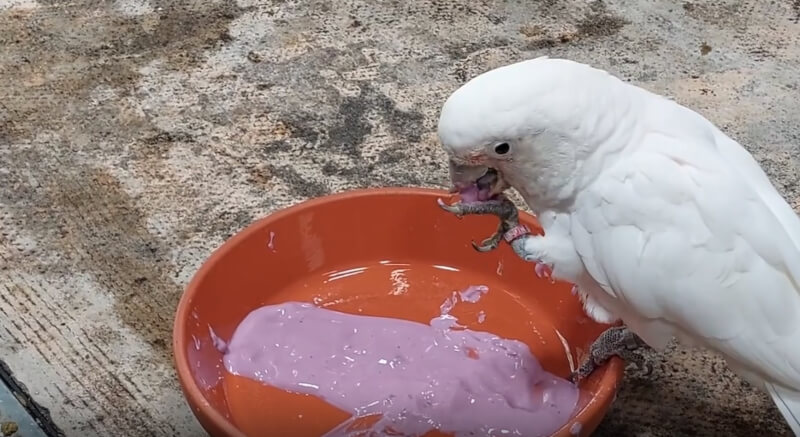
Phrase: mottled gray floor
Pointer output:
(137, 135)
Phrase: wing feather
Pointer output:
(678, 237)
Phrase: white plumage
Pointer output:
(660, 219)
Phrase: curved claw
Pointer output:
(454, 209)
(485, 247)
(492, 242)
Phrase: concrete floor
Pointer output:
(137, 135)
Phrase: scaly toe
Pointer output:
(584, 370)
(487, 245)
(616, 341)
(492, 242)
(453, 209)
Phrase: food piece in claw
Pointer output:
(500, 206)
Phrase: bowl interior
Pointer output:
(386, 252)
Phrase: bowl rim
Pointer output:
(206, 415)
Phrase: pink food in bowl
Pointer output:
(351, 253)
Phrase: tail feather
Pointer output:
(788, 402)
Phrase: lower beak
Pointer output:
(497, 186)
(462, 176)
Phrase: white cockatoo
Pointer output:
(661, 220)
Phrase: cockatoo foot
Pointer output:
(617, 341)
(500, 207)
(492, 242)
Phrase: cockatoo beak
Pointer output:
(497, 185)
(488, 181)
(463, 176)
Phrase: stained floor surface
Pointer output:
(137, 135)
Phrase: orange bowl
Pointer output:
(292, 254)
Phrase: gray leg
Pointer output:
(502, 208)
(619, 341)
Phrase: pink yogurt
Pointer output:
(418, 377)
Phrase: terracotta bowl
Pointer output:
(292, 254)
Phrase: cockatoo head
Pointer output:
(523, 125)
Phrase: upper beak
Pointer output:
(462, 176)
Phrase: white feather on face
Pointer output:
(539, 108)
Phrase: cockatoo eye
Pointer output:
(502, 148)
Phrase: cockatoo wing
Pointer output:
(681, 239)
